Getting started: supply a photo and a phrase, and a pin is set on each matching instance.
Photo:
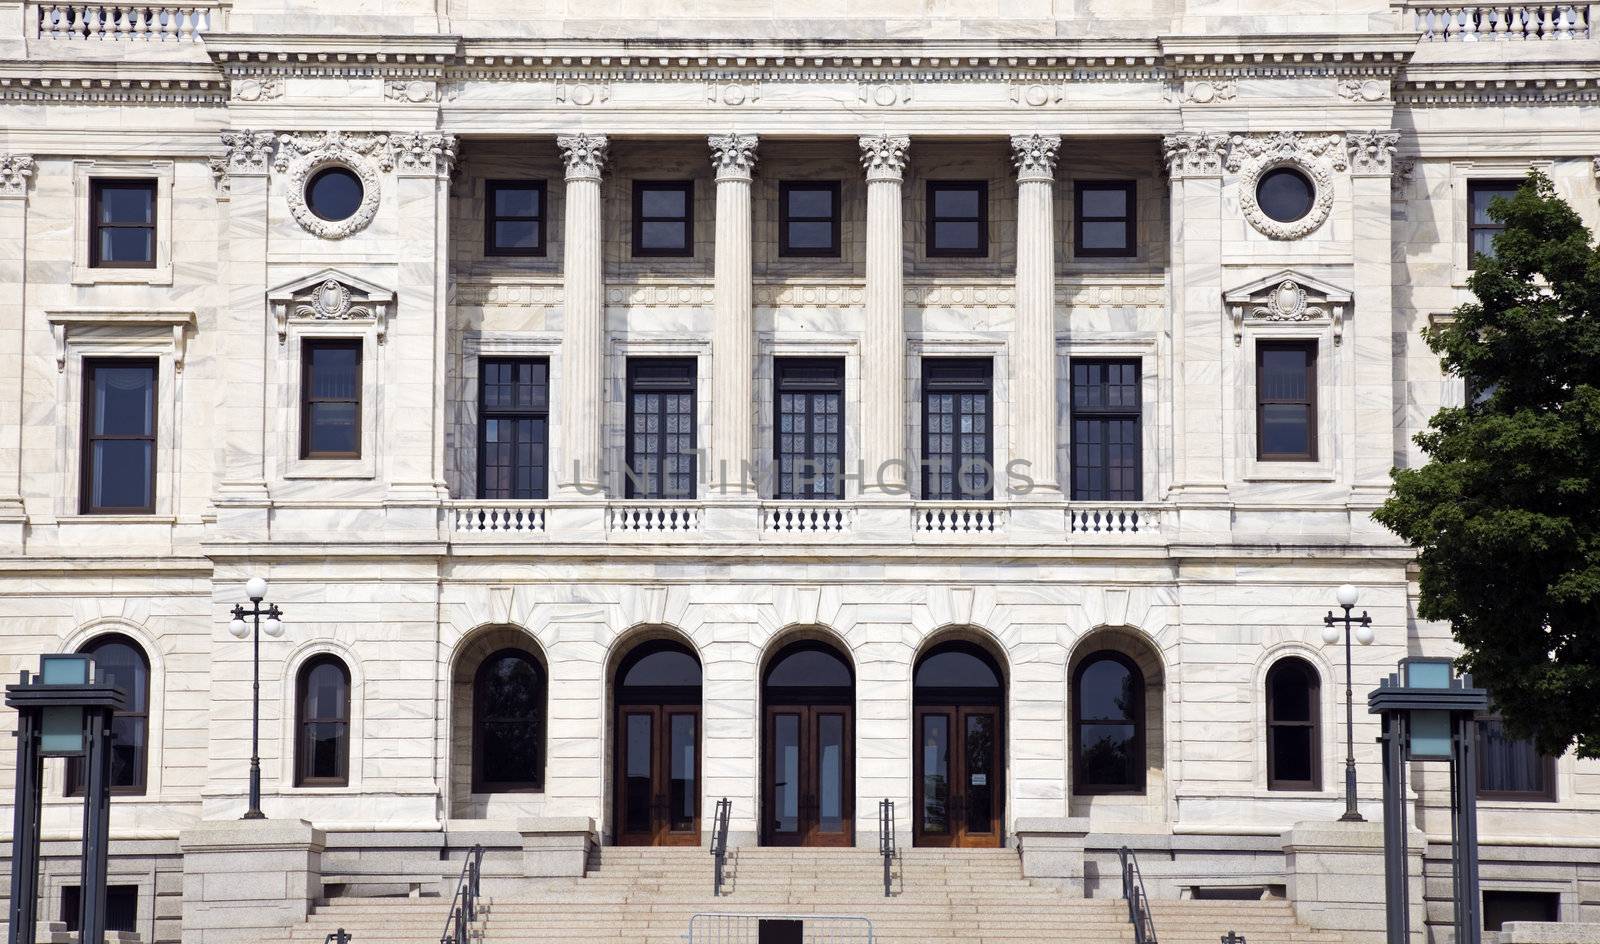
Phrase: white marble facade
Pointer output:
(1393, 109)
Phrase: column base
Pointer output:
(245, 878)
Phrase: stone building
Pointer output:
(972, 405)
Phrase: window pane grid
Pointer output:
(122, 223)
(808, 218)
(1105, 224)
(323, 751)
(1106, 439)
(810, 441)
(513, 428)
(120, 661)
(1481, 228)
(958, 218)
(1511, 768)
(1286, 399)
(330, 417)
(514, 218)
(956, 439)
(663, 218)
(119, 437)
(661, 429)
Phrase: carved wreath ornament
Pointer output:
(301, 156)
(1317, 156)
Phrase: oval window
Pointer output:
(334, 193)
(1285, 194)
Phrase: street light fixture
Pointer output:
(256, 589)
(1361, 628)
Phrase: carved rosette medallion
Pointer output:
(1035, 156)
(15, 169)
(1317, 156)
(584, 154)
(1363, 90)
(253, 89)
(884, 155)
(733, 155)
(302, 155)
(1194, 154)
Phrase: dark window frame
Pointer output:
(88, 437)
(933, 385)
(75, 772)
(302, 741)
(1548, 763)
(307, 345)
(485, 414)
(1496, 900)
(1313, 417)
(541, 720)
(1313, 683)
(635, 384)
(1130, 221)
(784, 382)
(96, 186)
(1106, 415)
(491, 188)
(686, 187)
(1140, 721)
(1475, 187)
(931, 246)
(835, 220)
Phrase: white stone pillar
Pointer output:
(883, 346)
(1366, 352)
(1034, 423)
(583, 334)
(733, 338)
(15, 169)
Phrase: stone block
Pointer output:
(1550, 932)
(1335, 878)
(556, 845)
(1052, 849)
(245, 877)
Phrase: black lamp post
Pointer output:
(1361, 628)
(256, 589)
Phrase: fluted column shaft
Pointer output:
(1033, 351)
(733, 338)
(582, 355)
(883, 344)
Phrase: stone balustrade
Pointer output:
(124, 23)
(1470, 24)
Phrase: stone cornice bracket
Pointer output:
(423, 153)
(1371, 152)
(15, 169)
(1196, 154)
(584, 154)
(1035, 156)
(1317, 156)
(733, 155)
(884, 156)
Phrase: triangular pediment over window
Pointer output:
(331, 295)
(1287, 295)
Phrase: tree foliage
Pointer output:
(1506, 513)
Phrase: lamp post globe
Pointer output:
(1364, 634)
(239, 628)
(256, 588)
(1330, 634)
(1347, 595)
(1355, 629)
(273, 627)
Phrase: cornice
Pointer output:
(236, 47)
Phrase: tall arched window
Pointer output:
(1294, 744)
(1108, 716)
(119, 660)
(508, 697)
(322, 744)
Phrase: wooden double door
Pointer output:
(808, 776)
(958, 790)
(658, 775)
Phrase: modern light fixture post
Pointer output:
(256, 589)
(1362, 630)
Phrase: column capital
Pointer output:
(1035, 156)
(584, 154)
(1371, 152)
(15, 169)
(423, 153)
(246, 152)
(733, 155)
(884, 155)
(1196, 154)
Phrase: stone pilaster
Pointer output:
(578, 471)
(1033, 356)
(883, 346)
(15, 170)
(733, 340)
(1369, 330)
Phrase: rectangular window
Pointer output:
(663, 218)
(514, 218)
(1511, 768)
(119, 437)
(330, 400)
(1500, 907)
(957, 454)
(1106, 441)
(1286, 401)
(809, 432)
(1481, 229)
(958, 218)
(122, 224)
(1105, 224)
(661, 427)
(808, 218)
(122, 907)
(513, 427)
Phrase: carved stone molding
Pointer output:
(884, 95)
(1196, 154)
(1372, 152)
(1036, 94)
(584, 154)
(1363, 90)
(253, 89)
(1206, 91)
(1287, 296)
(423, 152)
(15, 169)
(884, 156)
(733, 155)
(412, 91)
(1035, 155)
(247, 151)
(732, 93)
(331, 295)
(1401, 178)
(301, 155)
(1318, 156)
(1597, 167)
(583, 94)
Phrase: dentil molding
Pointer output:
(1318, 156)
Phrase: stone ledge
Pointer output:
(1550, 932)
(253, 835)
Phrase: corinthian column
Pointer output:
(732, 366)
(582, 358)
(1033, 349)
(883, 345)
(15, 169)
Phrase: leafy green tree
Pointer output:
(1506, 514)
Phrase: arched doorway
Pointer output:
(658, 746)
(808, 762)
(959, 701)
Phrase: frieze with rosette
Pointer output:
(1317, 156)
(331, 296)
(365, 155)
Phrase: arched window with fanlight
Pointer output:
(322, 743)
(1108, 720)
(508, 708)
(120, 661)
(1294, 739)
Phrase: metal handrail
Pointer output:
(719, 844)
(464, 904)
(886, 844)
(1144, 927)
(340, 936)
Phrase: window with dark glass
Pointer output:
(1286, 401)
(335, 193)
(663, 217)
(514, 224)
(119, 437)
(1108, 725)
(661, 428)
(958, 218)
(1293, 740)
(1106, 441)
(330, 400)
(1481, 228)
(120, 661)
(810, 427)
(508, 710)
(1502, 906)
(122, 907)
(322, 749)
(1511, 768)
(122, 224)
(1106, 220)
(513, 427)
(808, 218)
(1285, 194)
(957, 424)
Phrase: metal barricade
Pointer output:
(717, 928)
